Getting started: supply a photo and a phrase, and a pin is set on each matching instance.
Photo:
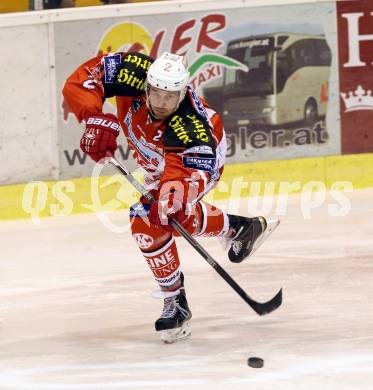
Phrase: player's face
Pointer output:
(163, 103)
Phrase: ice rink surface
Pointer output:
(76, 311)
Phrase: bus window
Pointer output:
(284, 69)
(306, 52)
(303, 53)
(324, 55)
(259, 79)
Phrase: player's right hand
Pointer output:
(100, 135)
(171, 203)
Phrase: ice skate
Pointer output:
(249, 234)
(173, 322)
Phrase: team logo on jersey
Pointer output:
(111, 64)
(143, 240)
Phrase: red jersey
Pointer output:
(188, 145)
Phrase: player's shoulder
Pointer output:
(124, 73)
(188, 127)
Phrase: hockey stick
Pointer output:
(258, 307)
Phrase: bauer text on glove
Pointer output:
(100, 135)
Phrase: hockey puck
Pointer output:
(255, 362)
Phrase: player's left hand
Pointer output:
(171, 204)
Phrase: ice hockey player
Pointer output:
(180, 142)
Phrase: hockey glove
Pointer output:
(171, 204)
(100, 135)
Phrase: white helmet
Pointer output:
(169, 73)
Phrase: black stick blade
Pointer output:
(267, 307)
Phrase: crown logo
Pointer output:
(360, 99)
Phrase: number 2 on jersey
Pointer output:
(158, 136)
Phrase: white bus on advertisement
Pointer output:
(287, 80)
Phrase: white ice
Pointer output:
(76, 311)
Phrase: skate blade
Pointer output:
(178, 334)
(272, 225)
